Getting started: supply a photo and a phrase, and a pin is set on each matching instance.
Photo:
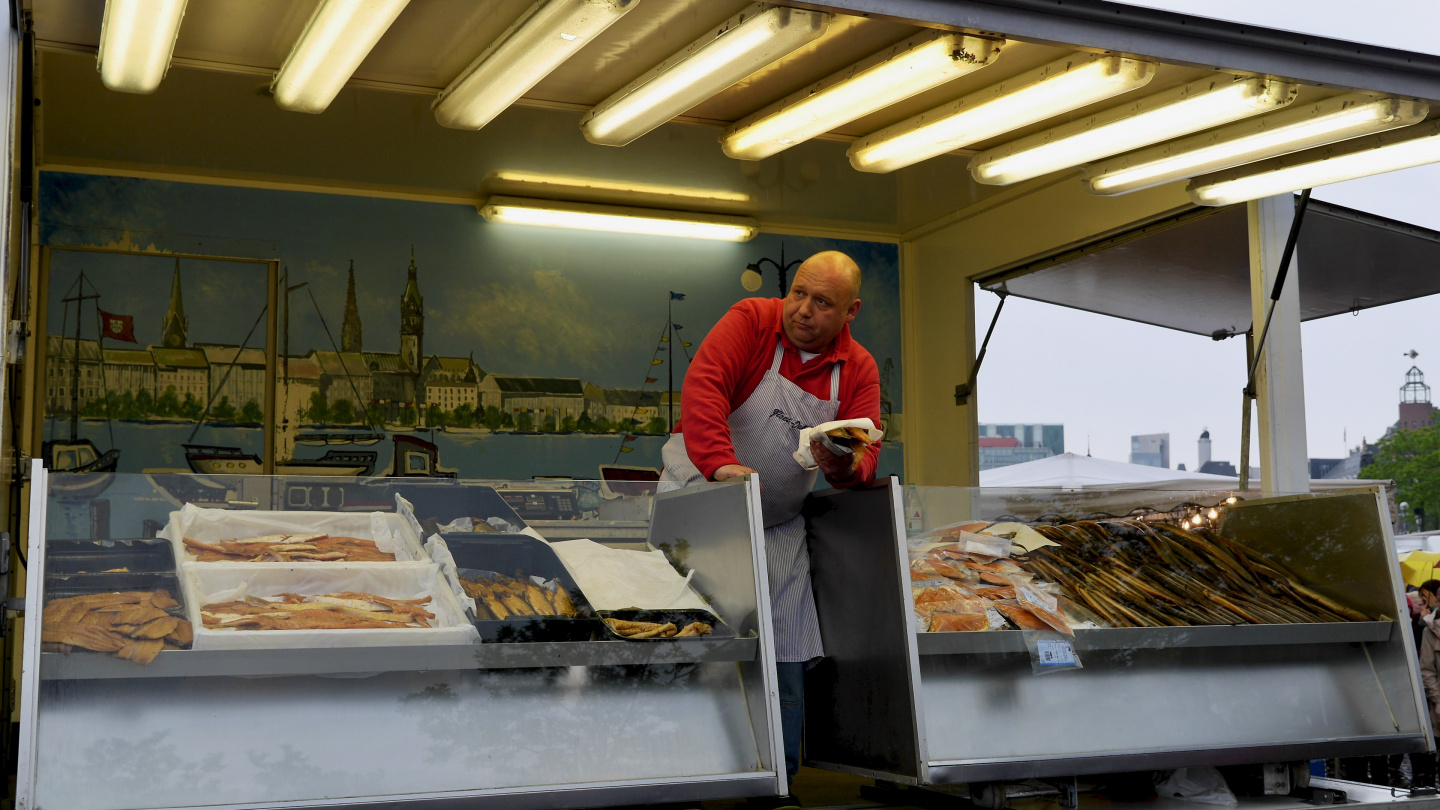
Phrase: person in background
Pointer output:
(1423, 766)
(770, 368)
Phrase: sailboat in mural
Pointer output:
(222, 460)
(75, 454)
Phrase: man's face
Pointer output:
(819, 305)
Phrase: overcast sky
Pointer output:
(1124, 378)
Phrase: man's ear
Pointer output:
(854, 310)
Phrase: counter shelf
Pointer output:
(522, 724)
(941, 708)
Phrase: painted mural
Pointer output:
(414, 338)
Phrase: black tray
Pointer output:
(510, 554)
(680, 618)
(59, 587)
(437, 505)
(66, 557)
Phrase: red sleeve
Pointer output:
(859, 398)
(719, 368)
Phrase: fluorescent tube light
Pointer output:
(1347, 160)
(756, 37)
(1061, 86)
(1329, 121)
(335, 41)
(137, 38)
(618, 219)
(918, 64)
(550, 32)
(553, 183)
(1196, 106)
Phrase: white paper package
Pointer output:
(616, 579)
(802, 451)
(210, 583)
(391, 531)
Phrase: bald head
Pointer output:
(835, 265)
(824, 298)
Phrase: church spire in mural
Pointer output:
(175, 332)
(350, 329)
(412, 320)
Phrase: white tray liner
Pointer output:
(391, 532)
(207, 583)
(440, 553)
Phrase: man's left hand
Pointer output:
(836, 467)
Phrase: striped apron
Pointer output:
(765, 431)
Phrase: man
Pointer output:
(770, 368)
(1422, 766)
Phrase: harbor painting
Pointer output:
(414, 338)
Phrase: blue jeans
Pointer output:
(791, 675)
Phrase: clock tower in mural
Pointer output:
(412, 320)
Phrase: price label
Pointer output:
(1055, 653)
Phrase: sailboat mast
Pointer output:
(75, 383)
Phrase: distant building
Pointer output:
(1219, 468)
(1151, 450)
(537, 396)
(1320, 467)
(451, 382)
(1002, 451)
(1416, 411)
(1047, 436)
(1203, 449)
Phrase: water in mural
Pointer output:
(412, 338)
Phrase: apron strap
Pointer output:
(835, 382)
(779, 356)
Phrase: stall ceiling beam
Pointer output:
(1178, 38)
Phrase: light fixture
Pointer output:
(553, 183)
(547, 34)
(137, 38)
(920, 63)
(335, 41)
(756, 37)
(1061, 86)
(618, 219)
(1199, 105)
(1334, 119)
(1347, 160)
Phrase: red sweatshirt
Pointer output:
(735, 356)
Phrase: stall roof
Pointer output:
(1191, 272)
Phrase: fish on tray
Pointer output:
(134, 625)
(289, 548)
(347, 610)
(501, 597)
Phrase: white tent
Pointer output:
(1076, 472)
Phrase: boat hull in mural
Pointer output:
(212, 460)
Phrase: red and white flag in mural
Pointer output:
(117, 327)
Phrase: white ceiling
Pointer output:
(433, 40)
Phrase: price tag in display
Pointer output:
(1055, 653)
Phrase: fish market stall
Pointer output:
(977, 635)
(258, 655)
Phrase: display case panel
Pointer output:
(344, 677)
(1209, 629)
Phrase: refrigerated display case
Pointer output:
(272, 715)
(896, 702)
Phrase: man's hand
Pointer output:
(837, 468)
(732, 471)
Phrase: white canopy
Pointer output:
(1072, 471)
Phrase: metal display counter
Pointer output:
(524, 724)
(925, 708)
